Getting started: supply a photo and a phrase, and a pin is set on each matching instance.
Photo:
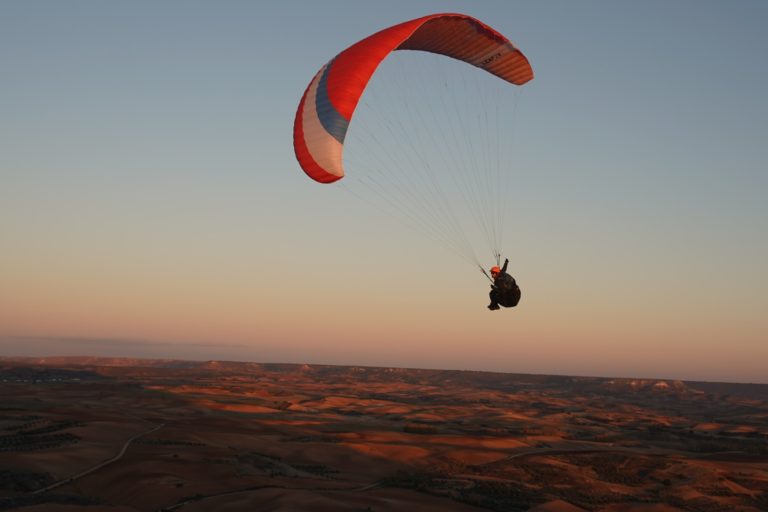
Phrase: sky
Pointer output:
(151, 204)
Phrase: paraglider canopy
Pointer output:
(329, 101)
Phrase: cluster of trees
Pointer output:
(168, 442)
(52, 427)
(38, 435)
(420, 428)
(14, 502)
(21, 442)
(23, 481)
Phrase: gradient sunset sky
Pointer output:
(151, 204)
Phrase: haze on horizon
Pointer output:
(151, 205)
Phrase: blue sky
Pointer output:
(148, 191)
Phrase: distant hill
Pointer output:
(603, 385)
(753, 391)
(494, 380)
(100, 361)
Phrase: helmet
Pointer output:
(495, 270)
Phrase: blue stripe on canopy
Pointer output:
(332, 121)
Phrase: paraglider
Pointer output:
(504, 289)
(325, 112)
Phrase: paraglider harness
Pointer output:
(505, 292)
